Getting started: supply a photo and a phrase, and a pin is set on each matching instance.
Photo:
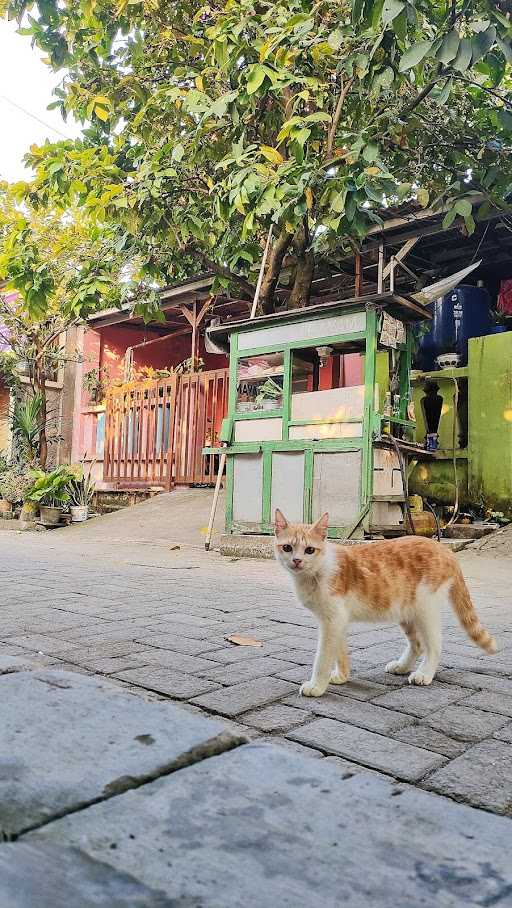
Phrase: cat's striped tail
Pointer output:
(465, 611)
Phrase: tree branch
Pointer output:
(226, 272)
(336, 116)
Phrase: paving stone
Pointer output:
(235, 653)
(108, 665)
(16, 663)
(167, 681)
(298, 674)
(477, 680)
(505, 733)
(178, 644)
(300, 656)
(362, 746)
(347, 769)
(491, 701)
(181, 662)
(262, 826)
(424, 736)
(359, 689)
(231, 701)
(276, 717)
(58, 877)
(100, 650)
(365, 715)
(246, 671)
(420, 701)
(465, 724)
(481, 776)
(40, 643)
(68, 739)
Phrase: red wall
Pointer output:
(167, 352)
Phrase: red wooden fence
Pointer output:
(155, 430)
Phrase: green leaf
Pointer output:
(371, 152)
(449, 48)
(414, 55)
(357, 10)
(482, 43)
(464, 55)
(505, 47)
(178, 152)
(449, 218)
(505, 118)
(423, 197)
(257, 75)
(391, 9)
(463, 207)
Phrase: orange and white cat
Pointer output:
(407, 580)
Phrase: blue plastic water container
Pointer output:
(458, 316)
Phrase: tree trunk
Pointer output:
(266, 303)
(301, 289)
(39, 382)
(303, 278)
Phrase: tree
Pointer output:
(206, 123)
(62, 269)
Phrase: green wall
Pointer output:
(490, 421)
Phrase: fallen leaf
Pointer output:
(175, 548)
(243, 641)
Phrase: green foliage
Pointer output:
(8, 372)
(204, 124)
(15, 482)
(81, 490)
(26, 426)
(51, 489)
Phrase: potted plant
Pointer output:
(50, 492)
(81, 493)
(14, 483)
(270, 395)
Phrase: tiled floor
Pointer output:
(155, 621)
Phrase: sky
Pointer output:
(25, 82)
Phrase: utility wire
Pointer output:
(34, 117)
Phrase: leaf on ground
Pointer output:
(238, 640)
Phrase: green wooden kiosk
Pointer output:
(299, 435)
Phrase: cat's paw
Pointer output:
(337, 678)
(308, 689)
(419, 677)
(396, 668)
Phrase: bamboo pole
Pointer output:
(262, 271)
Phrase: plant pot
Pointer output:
(29, 511)
(50, 517)
(5, 507)
(79, 513)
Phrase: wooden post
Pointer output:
(359, 276)
(222, 464)
(260, 275)
(380, 272)
(194, 331)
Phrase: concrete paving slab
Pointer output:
(262, 826)
(68, 739)
(50, 876)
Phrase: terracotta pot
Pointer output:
(50, 517)
(5, 506)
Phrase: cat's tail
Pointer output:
(465, 611)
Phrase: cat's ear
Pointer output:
(281, 522)
(321, 526)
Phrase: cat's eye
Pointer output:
(287, 548)
(310, 550)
